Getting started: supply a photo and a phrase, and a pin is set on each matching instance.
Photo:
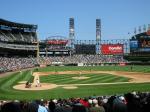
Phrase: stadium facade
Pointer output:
(18, 39)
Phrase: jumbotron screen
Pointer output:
(144, 44)
(140, 45)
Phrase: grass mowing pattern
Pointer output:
(8, 82)
(94, 78)
(7, 92)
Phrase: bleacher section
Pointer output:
(16, 36)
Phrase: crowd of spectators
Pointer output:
(130, 102)
(88, 59)
(16, 63)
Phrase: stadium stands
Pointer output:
(130, 102)
(15, 63)
(16, 37)
(86, 59)
(18, 42)
(18, 63)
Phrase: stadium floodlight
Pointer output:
(98, 29)
(148, 27)
(144, 28)
(71, 32)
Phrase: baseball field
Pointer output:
(72, 81)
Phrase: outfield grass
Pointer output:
(7, 92)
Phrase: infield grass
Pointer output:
(92, 78)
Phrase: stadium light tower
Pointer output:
(38, 51)
(98, 35)
(144, 28)
(98, 29)
(148, 27)
(135, 31)
(71, 32)
(139, 29)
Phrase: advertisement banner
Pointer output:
(110, 49)
(122, 64)
(57, 42)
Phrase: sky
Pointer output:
(119, 18)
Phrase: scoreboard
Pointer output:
(85, 49)
(140, 45)
(144, 43)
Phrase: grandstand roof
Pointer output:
(14, 24)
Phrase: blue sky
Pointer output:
(52, 16)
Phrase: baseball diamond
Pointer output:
(59, 82)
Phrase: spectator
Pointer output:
(40, 107)
(51, 106)
(11, 107)
(131, 102)
(79, 108)
(96, 106)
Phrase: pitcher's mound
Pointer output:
(44, 86)
(82, 77)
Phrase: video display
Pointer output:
(85, 49)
